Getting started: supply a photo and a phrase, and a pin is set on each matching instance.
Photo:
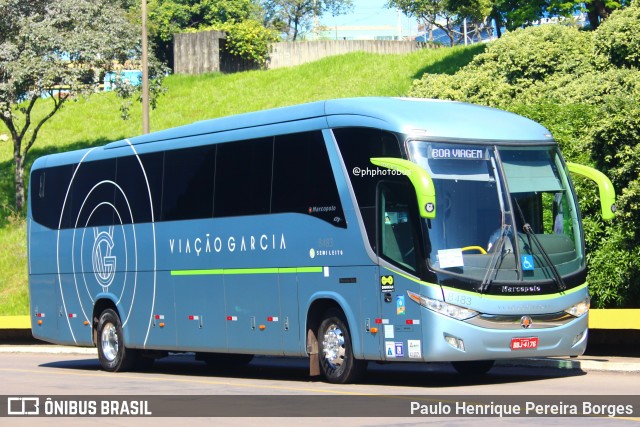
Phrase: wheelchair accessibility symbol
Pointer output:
(527, 262)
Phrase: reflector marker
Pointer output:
(159, 316)
(272, 319)
(39, 314)
(413, 321)
(192, 317)
(72, 315)
(232, 318)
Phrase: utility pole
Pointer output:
(145, 71)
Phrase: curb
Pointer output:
(47, 349)
(575, 364)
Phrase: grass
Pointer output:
(96, 121)
(13, 261)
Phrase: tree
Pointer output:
(514, 14)
(52, 51)
(292, 17)
(446, 15)
(168, 17)
(599, 10)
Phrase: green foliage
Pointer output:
(613, 266)
(617, 41)
(168, 17)
(52, 52)
(585, 88)
(445, 15)
(516, 62)
(14, 298)
(249, 40)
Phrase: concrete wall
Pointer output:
(197, 53)
(287, 54)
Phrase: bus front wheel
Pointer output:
(112, 353)
(337, 362)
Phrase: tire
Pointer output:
(473, 367)
(335, 350)
(112, 352)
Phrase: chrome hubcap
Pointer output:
(333, 346)
(109, 342)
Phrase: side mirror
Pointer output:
(605, 187)
(420, 179)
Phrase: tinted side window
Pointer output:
(131, 180)
(357, 146)
(243, 178)
(92, 194)
(303, 179)
(399, 241)
(48, 189)
(188, 183)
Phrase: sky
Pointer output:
(370, 13)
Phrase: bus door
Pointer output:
(399, 250)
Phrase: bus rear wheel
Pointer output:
(337, 363)
(473, 367)
(112, 353)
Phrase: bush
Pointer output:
(585, 88)
(516, 62)
(249, 40)
(617, 41)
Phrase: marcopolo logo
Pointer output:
(104, 263)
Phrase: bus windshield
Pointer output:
(504, 213)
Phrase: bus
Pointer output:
(342, 231)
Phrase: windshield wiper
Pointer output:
(497, 257)
(532, 238)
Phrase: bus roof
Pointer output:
(432, 118)
(425, 118)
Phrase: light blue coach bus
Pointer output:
(345, 231)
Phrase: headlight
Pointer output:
(450, 310)
(580, 308)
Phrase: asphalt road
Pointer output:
(180, 375)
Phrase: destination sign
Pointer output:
(458, 153)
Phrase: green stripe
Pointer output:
(221, 271)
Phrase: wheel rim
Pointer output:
(333, 346)
(110, 342)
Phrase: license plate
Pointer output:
(524, 343)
